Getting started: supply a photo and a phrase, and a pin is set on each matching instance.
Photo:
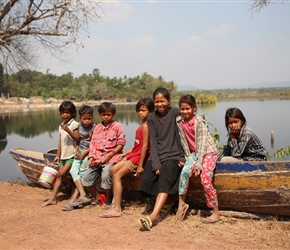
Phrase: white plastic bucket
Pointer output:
(47, 177)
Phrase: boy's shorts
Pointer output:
(63, 162)
(92, 174)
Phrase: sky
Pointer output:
(204, 44)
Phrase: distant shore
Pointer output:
(9, 106)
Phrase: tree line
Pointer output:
(29, 83)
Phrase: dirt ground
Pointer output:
(25, 224)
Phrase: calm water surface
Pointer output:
(38, 130)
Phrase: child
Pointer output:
(161, 172)
(80, 163)
(133, 160)
(243, 143)
(201, 156)
(69, 135)
(106, 145)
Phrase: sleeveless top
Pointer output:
(135, 154)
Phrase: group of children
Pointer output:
(171, 146)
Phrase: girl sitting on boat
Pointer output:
(243, 143)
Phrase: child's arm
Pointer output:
(73, 134)
(58, 153)
(145, 145)
(108, 156)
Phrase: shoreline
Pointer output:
(26, 107)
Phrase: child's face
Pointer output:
(143, 112)
(161, 103)
(86, 120)
(235, 125)
(187, 111)
(106, 117)
(65, 115)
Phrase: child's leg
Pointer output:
(89, 179)
(117, 185)
(63, 169)
(106, 183)
(208, 166)
(160, 201)
(185, 174)
(83, 166)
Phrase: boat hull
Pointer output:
(254, 187)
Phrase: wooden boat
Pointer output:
(253, 187)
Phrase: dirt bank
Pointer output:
(24, 224)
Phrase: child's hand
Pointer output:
(121, 156)
(82, 155)
(181, 164)
(139, 171)
(194, 171)
(157, 172)
(56, 160)
(64, 127)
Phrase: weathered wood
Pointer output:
(253, 187)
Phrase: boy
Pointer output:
(80, 163)
(106, 145)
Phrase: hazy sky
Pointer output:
(206, 44)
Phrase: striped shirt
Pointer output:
(247, 146)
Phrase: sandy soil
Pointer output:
(25, 224)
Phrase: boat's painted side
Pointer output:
(257, 187)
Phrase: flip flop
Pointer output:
(180, 215)
(110, 215)
(67, 207)
(209, 220)
(146, 223)
(81, 203)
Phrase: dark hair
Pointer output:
(189, 99)
(162, 91)
(148, 102)
(69, 106)
(234, 113)
(107, 107)
(85, 109)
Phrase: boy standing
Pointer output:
(106, 145)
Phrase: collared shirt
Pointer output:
(247, 146)
(204, 144)
(105, 139)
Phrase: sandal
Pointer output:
(181, 214)
(81, 203)
(67, 207)
(146, 223)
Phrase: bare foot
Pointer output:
(49, 202)
(211, 219)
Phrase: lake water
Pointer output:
(38, 130)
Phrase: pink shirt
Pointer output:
(105, 140)
(188, 128)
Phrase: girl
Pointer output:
(201, 153)
(161, 172)
(133, 160)
(69, 135)
(243, 143)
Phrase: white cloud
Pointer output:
(220, 30)
(115, 11)
(144, 40)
